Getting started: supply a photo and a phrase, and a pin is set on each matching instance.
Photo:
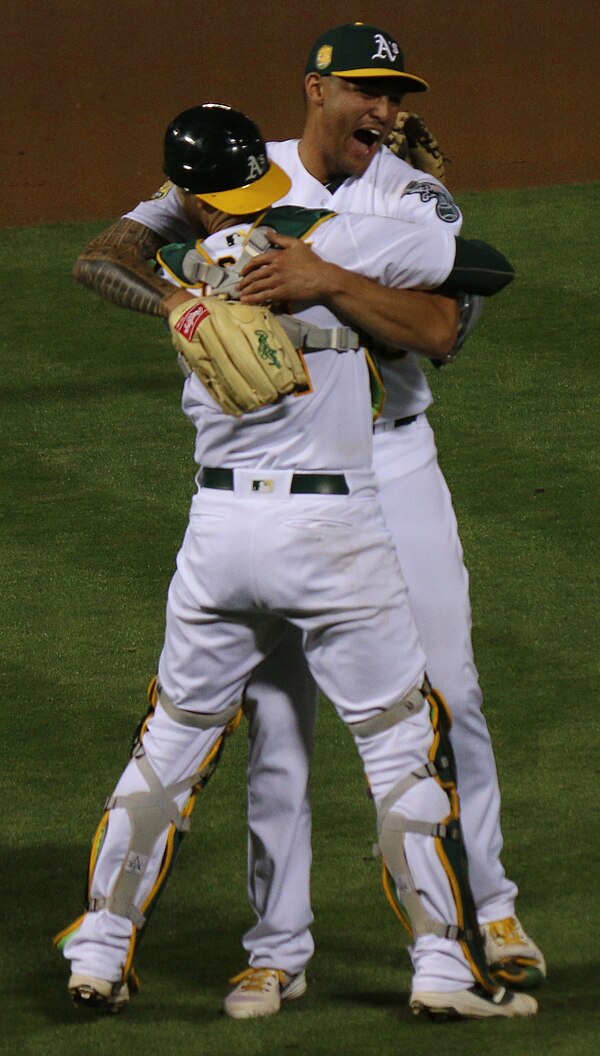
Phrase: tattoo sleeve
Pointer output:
(116, 265)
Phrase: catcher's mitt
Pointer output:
(411, 140)
(239, 352)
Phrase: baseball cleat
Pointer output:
(474, 1003)
(99, 995)
(514, 959)
(260, 991)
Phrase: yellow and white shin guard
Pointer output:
(420, 838)
(140, 832)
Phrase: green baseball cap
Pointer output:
(356, 51)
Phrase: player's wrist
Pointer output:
(332, 281)
(174, 299)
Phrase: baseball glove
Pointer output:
(239, 352)
(411, 140)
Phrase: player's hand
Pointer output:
(291, 272)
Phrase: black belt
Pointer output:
(399, 422)
(302, 483)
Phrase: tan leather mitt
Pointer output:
(240, 353)
(411, 140)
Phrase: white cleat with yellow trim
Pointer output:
(473, 1003)
(514, 959)
(260, 991)
(100, 995)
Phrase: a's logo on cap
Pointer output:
(257, 166)
(324, 55)
(386, 49)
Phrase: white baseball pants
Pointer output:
(248, 562)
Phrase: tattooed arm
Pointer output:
(117, 265)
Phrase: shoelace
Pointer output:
(256, 979)
(507, 932)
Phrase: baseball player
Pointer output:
(286, 528)
(340, 163)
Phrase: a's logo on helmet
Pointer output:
(323, 59)
(386, 49)
(257, 166)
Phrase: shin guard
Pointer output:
(149, 811)
(398, 882)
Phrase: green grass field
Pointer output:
(97, 473)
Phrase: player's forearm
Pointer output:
(115, 283)
(422, 321)
(115, 265)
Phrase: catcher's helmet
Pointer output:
(219, 155)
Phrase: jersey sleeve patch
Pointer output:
(162, 192)
(445, 206)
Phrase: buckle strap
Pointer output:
(312, 338)
(428, 769)
(224, 281)
(398, 711)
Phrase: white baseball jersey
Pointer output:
(390, 187)
(330, 426)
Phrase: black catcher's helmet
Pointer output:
(219, 155)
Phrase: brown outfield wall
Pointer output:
(90, 85)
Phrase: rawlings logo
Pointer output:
(191, 319)
(257, 166)
(264, 349)
(386, 49)
(445, 206)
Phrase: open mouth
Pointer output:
(369, 137)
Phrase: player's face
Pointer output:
(203, 218)
(354, 118)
